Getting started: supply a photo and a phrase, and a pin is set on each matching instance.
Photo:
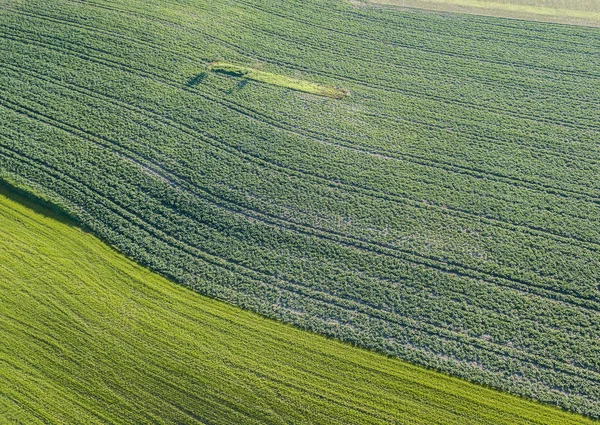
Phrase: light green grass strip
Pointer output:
(577, 12)
(88, 337)
(277, 80)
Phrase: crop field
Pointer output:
(574, 12)
(446, 213)
(90, 337)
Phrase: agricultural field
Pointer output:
(447, 212)
(573, 12)
(90, 337)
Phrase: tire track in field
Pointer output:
(413, 93)
(484, 139)
(356, 188)
(416, 94)
(133, 160)
(277, 338)
(354, 13)
(442, 334)
(413, 158)
(432, 262)
(341, 143)
(489, 80)
(561, 71)
(310, 24)
(319, 296)
(388, 118)
(180, 183)
(475, 136)
(157, 78)
(401, 16)
(317, 176)
(483, 23)
(449, 164)
(241, 51)
(388, 87)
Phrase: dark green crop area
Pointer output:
(447, 212)
(89, 337)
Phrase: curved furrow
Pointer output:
(404, 91)
(416, 94)
(178, 183)
(484, 23)
(453, 236)
(485, 139)
(365, 36)
(401, 200)
(416, 159)
(386, 87)
(267, 60)
(242, 206)
(404, 65)
(432, 262)
(477, 136)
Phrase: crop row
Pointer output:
(491, 193)
(195, 226)
(321, 309)
(489, 157)
(568, 172)
(367, 204)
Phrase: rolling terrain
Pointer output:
(446, 212)
(90, 337)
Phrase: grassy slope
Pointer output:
(446, 212)
(90, 337)
(576, 12)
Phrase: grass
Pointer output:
(277, 80)
(90, 337)
(446, 213)
(576, 12)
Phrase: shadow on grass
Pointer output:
(197, 79)
(38, 204)
(240, 85)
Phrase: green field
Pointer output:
(446, 213)
(90, 337)
(575, 12)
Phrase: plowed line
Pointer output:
(341, 143)
(440, 265)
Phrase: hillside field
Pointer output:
(90, 337)
(446, 213)
(574, 12)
